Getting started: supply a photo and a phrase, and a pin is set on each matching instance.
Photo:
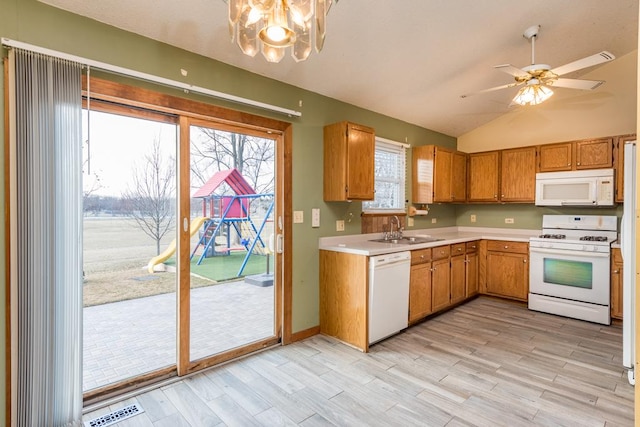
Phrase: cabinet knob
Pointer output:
(473, 247)
(433, 269)
(459, 249)
(495, 196)
(568, 164)
(616, 271)
(578, 163)
(524, 260)
(506, 247)
(502, 195)
(421, 256)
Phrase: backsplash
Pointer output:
(379, 223)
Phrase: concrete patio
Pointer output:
(133, 337)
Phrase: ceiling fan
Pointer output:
(538, 78)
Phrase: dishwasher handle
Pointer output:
(389, 260)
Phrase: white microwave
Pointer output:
(594, 187)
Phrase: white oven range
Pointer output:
(569, 271)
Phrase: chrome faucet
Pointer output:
(398, 233)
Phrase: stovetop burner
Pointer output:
(552, 236)
(595, 238)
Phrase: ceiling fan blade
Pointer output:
(589, 61)
(491, 89)
(576, 83)
(511, 70)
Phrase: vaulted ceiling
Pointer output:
(409, 59)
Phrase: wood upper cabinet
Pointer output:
(507, 269)
(349, 153)
(616, 283)
(483, 177)
(439, 174)
(594, 153)
(618, 163)
(518, 175)
(556, 157)
(577, 155)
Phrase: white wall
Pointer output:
(568, 115)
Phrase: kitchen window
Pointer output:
(390, 176)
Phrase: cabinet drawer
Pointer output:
(458, 249)
(507, 246)
(420, 255)
(440, 252)
(472, 246)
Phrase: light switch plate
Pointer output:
(315, 217)
(409, 222)
(298, 217)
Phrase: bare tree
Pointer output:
(150, 199)
(253, 157)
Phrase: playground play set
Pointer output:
(223, 215)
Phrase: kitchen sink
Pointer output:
(408, 240)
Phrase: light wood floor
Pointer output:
(486, 363)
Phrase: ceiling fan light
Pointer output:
(533, 94)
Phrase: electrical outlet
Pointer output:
(298, 217)
(508, 221)
(434, 220)
(409, 222)
(340, 225)
(315, 217)
(473, 218)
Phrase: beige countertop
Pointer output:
(361, 244)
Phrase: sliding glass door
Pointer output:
(129, 288)
(231, 209)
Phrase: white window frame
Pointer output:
(400, 148)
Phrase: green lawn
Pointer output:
(221, 268)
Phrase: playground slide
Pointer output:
(196, 223)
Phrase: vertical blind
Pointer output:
(47, 252)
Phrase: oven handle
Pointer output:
(569, 252)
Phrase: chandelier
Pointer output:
(270, 26)
(533, 93)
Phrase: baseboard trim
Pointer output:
(304, 334)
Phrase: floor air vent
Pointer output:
(115, 416)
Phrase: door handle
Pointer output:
(279, 243)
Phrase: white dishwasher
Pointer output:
(388, 294)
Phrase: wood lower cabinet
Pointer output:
(616, 283)
(440, 278)
(471, 269)
(507, 269)
(458, 273)
(440, 282)
(420, 285)
(343, 297)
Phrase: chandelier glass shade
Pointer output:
(533, 93)
(271, 26)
